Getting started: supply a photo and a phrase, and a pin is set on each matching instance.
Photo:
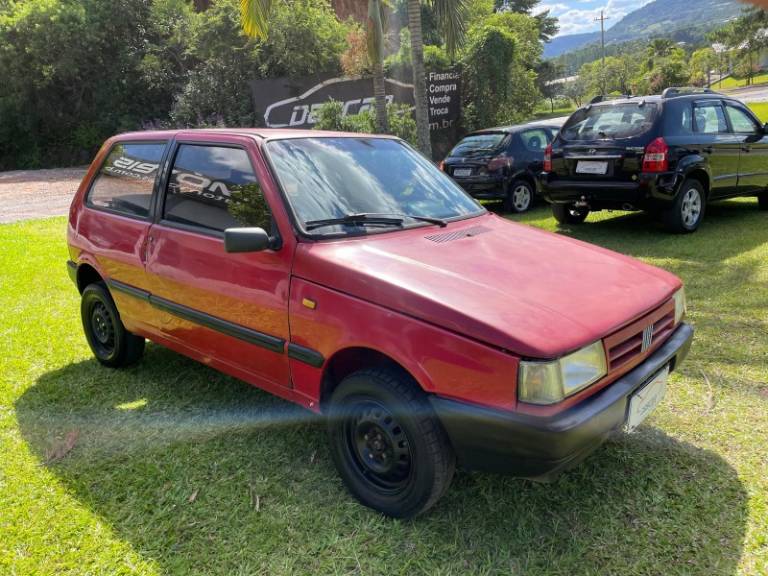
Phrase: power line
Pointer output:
(602, 20)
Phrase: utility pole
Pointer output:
(602, 20)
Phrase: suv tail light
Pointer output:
(548, 159)
(498, 163)
(656, 157)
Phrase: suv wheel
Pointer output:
(387, 444)
(762, 201)
(687, 211)
(519, 197)
(110, 342)
(569, 213)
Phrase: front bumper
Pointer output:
(539, 448)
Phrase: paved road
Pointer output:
(750, 93)
(27, 194)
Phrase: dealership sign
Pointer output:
(292, 103)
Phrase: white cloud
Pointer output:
(577, 21)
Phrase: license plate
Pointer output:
(590, 167)
(645, 400)
(462, 172)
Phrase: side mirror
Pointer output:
(246, 240)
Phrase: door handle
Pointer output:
(746, 149)
(146, 248)
(708, 150)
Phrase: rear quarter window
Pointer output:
(126, 179)
(611, 121)
(478, 144)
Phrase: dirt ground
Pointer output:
(27, 194)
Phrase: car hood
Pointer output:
(525, 290)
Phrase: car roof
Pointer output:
(660, 98)
(551, 123)
(257, 133)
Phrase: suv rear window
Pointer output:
(610, 121)
(126, 178)
(478, 144)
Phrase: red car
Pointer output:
(347, 274)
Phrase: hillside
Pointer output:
(659, 18)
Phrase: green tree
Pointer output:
(547, 72)
(701, 63)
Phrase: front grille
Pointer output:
(625, 348)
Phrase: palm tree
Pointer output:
(451, 17)
(255, 21)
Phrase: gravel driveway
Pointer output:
(26, 194)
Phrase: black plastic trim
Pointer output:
(539, 447)
(249, 335)
(128, 289)
(306, 355)
(72, 270)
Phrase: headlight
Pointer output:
(552, 382)
(681, 307)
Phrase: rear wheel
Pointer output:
(519, 197)
(687, 211)
(762, 201)
(569, 213)
(387, 444)
(110, 342)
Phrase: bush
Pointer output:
(330, 116)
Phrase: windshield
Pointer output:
(327, 178)
(478, 145)
(610, 121)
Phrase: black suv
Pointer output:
(668, 154)
(502, 163)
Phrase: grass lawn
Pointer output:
(760, 109)
(735, 82)
(176, 469)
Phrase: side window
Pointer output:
(678, 120)
(126, 179)
(216, 188)
(709, 118)
(741, 121)
(535, 140)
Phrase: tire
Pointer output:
(762, 201)
(387, 444)
(520, 197)
(687, 211)
(569, 214)
(110, 342)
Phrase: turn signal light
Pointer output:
(442, 165)
(548, 159)
(656, 157)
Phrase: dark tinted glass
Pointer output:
(126, 179)
(610, 121)
(678, 119)
(215, 188)
(478, 145)
(709, 118)
(333, 177)
(535, 140)
(741, 121)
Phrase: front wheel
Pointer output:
(569, 213)
(110, 342)
(687, 211)
(519, 197)
(387, 444)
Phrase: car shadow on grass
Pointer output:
(202, 473)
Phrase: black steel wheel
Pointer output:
(110, 342)
(387, 444)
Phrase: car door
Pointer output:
(227, 309)
(115, 222)
(719, 145)
(753, 161)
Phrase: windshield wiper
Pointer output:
(393, 219)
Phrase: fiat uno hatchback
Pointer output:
(347, 274)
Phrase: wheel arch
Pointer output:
(351, 359)
(701, 176)
(87, 274)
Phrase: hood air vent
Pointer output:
(458, 235)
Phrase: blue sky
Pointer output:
(577, 16)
